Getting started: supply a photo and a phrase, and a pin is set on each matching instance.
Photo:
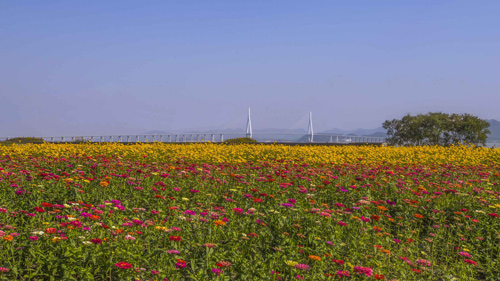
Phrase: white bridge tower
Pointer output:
(249, 125)
(310, 131)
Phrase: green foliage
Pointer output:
(22, 140)
(437, 128)
(240, 140)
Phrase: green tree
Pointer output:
(437, 128)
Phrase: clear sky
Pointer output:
(123, 67)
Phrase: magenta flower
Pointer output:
(465, 254)
(423, 262)
(302, 266)
(363, 270)
(216, 271)
(343, 273)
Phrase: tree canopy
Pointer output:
(437, 128)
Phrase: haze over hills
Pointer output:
(494, 136)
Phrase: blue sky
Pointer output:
(124, 67)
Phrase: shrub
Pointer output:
(22, 140)
(240, 140)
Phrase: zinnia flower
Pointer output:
(301, 266)
(216, 271)
(363, 270)
(123, 265)
(423, 262)
(470, 262)
(342, 273)
(174, 238)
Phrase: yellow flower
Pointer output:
(291, 263)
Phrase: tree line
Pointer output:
(437, 128)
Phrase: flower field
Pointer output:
(248, 212)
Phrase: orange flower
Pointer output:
(418, 216)
(94, 217)
(386, 251)
(316, 258)
(8, 238)
(104, 183)
(219, 222)
(382, 208)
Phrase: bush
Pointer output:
(240, 140)
(22, 140)
(436, 128)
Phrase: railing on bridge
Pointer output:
(215, 137)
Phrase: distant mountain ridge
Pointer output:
(494, 128)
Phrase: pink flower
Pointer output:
(180, 264)
(302, 266)
(465, 254)
(216, 271)
(365, 219)
(344, 273)
(129, 237)
(3, 269)
(423, 262)
(341, 223)
(123, 265)
(363, 270)
(33, 238)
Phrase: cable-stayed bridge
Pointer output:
(266, 137)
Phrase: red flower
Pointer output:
(252, 234)
(96, 241)
(493, 215)
(123, 265)
(339, 262)
(50, 230)
(180, 264)
(470, 262)
(379, 277)
(48, 205)
(39, 210)
(174, 238)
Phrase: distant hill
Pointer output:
(281, 134)
(357, 132)
(494, 128)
